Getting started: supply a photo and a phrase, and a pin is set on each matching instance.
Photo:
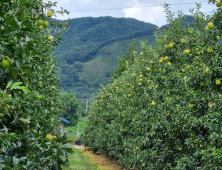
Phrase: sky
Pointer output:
(153, 14)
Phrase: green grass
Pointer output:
(72, 130)
(78, 162)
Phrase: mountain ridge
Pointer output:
(87, 47)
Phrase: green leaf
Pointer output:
(15, 85)
(9, 84)
(15, 160)
(22, 16)
(56, 164)
(24, 120)
(8, 50)
(14, 73)
(30, 75)
(23, 1)
(22, 88)
(41, 97)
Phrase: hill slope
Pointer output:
(91, 47)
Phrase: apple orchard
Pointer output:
(164, 110)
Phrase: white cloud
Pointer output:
(153, 15)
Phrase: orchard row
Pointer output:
(164, 110)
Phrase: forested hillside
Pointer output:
(90, 50)
(91, 47)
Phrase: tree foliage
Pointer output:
(70, 107)
(165, 111)
(29, 104)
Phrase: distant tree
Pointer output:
(83, 113)
(69, 108)
(125, 62)
(79, 66)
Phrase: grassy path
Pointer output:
(79, 162)
(102, 162)
(83, 159)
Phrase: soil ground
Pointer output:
(102, 162)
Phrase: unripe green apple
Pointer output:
(190, 105)
(207, 28)
(141, 80)
(193, 134)
(40, 22)
(39, 27)
(143, 164)
(169, 63)
(209, 50)
(218, 82)
(182, 40)
(7, 107)
(197, 49)
(187, 52)
(218, 3)
(34, 17)
(210, 25)
(45, 24)
(49, 13)
(201, 83)
(161, 60)
(51, 37)
(180, 148)
(148, 69)
(141, 76)
(5, 64)
(153, 103)
(141, 53)
(166, 58)
(171, 45)
(218, 38)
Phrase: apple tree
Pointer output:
(29, 105)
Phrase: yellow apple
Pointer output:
(218, 3)
(210, 25)
(49, 13)
(49, 137)
(51, 37)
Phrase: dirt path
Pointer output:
(102, 161)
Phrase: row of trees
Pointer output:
(163, 109)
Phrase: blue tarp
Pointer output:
(66, 121)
